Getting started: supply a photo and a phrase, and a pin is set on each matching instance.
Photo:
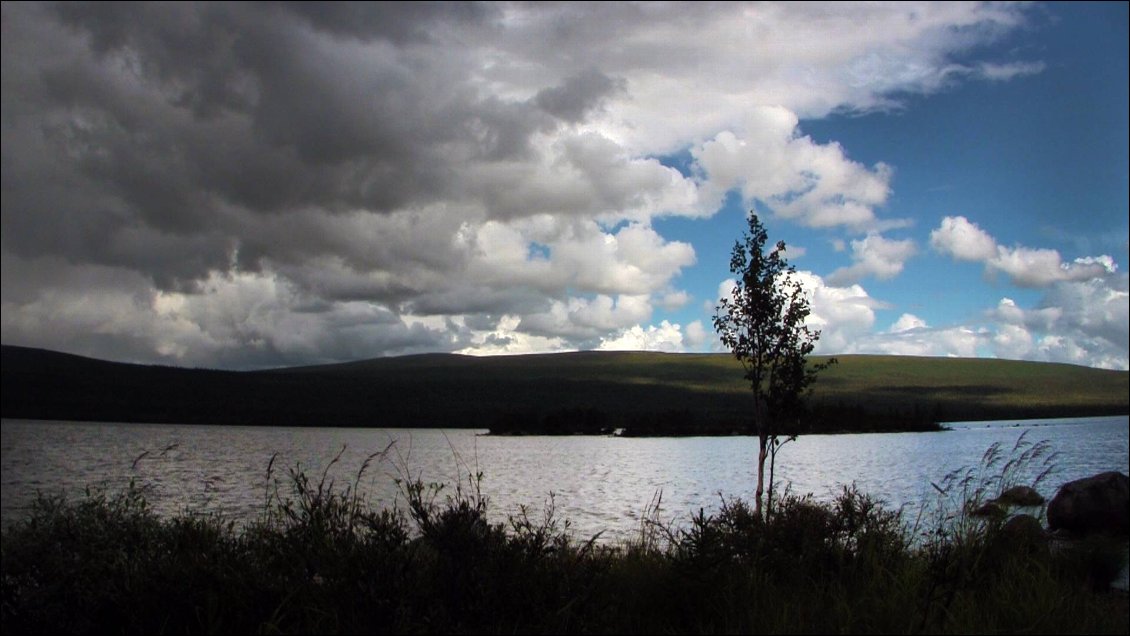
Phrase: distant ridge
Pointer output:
(652, 392)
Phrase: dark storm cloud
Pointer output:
(343, 127)
(187, 46)
(479, 302)
(578, 95)
(180, 140)
(180, 121)
(399, 22)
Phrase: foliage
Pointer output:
(319, 560)
(763, 325)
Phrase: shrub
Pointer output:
(319, 560)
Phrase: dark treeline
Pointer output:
(579, 393)
(688, 422)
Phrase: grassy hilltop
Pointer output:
(649, 393)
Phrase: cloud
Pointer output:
(811, 60)
(959, 341)
(278, 182)
(674, 300)
(907, 322)
(585, 320)
(241, 321)
(1008, 71)
(665, 337)
(578, 95)
(1076, 322)
(911, 335)
(814, 184)
(504, 338)
(1042, 267)
(1025, 267)
(963, 240)
(842, 314)
(696, 334)
(874, 256)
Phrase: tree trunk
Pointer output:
(762, 442)
(773, 447)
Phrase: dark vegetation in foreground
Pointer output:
(320, 561)
(570, 393)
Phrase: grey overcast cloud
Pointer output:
(245, 185)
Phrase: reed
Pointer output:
(320, 560)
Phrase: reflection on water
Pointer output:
(598, 483)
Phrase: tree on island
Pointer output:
(762, 323)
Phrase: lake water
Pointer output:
(600, 484)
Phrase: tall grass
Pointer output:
(320, 560)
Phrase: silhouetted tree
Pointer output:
(762, 323)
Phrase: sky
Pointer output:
(257, 185)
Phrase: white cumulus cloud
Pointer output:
(907, 322)
(874, 256)
(1024, 266)
(664, 337)
(814, 184)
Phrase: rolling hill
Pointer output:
(648, 393)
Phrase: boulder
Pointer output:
(1024, 534)
(990, 509)
(1092, 505)
(1021, 496)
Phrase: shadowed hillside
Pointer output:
(647, 393)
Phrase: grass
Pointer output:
(319, 560)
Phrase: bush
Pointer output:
(319, 560)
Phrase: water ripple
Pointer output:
(599, 483)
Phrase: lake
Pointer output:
(600, 484)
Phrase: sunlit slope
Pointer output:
(951, 388)
(1000, 382)
(704, 391)
(960, 385)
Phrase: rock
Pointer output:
(990, 509)
(1093, 505)
(1025, 529)
(1024, 534)
(1015, 496)
(1021, 496)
